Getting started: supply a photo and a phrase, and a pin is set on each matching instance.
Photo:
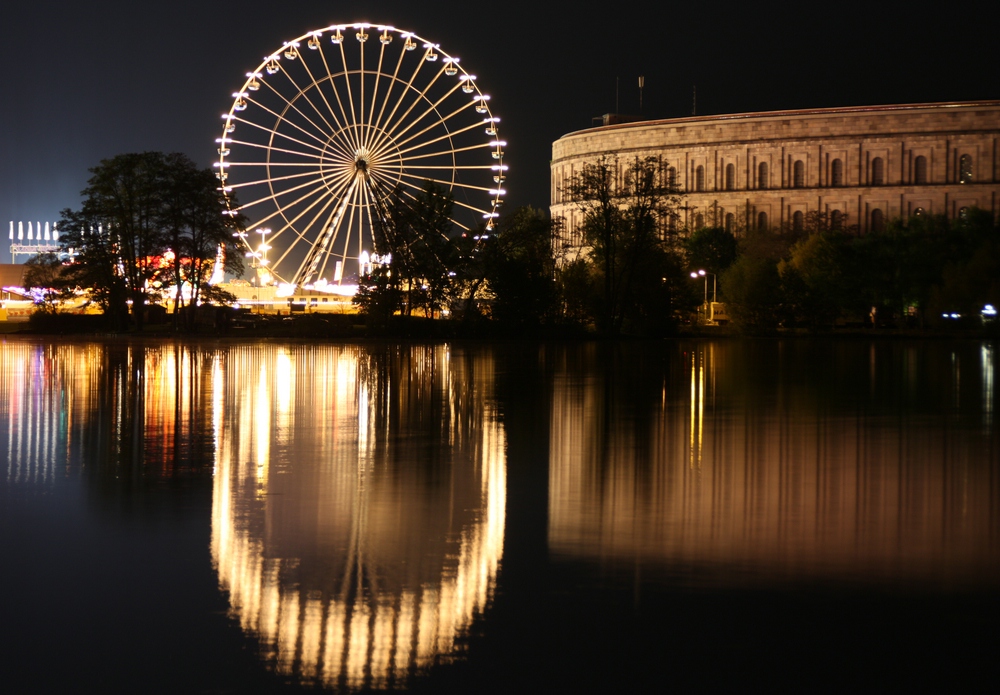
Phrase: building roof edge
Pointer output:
(784, 114)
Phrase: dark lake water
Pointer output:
(795, 515)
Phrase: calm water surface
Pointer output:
(262, 517)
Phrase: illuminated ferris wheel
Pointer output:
(331, 125)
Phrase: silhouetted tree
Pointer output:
(818, 279)
(416, 231)
(136, 208)
(43, 274)
(754, 294)
(711, 248)
(196, 230)
(379, 295)
(628, 212)
(520, 270)
(96, 264)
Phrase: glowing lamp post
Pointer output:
(262, 253)
(704, 274)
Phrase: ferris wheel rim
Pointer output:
(328, 152)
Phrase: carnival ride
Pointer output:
(331, 127)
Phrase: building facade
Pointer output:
(847, 167)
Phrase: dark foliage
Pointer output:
(139, 210)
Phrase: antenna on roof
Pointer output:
(642, 83)
(694, 100)
(616, 94)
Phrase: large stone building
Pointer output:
(856, 167)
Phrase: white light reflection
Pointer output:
(32, 414)
(354, 564)
(986, 357)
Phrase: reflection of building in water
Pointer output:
(739, 472)
(359, 500)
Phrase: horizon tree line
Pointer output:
(151, 225)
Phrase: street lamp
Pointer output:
(262, 254)
(263, 248)
(704, 274)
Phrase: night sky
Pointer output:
(86, 81)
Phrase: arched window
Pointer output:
(878, 220)
(730, 177)
(762, 175)
(730, 222)
(878, 172)
(699, 178)
(965, 169)
(761, 220)
(799, 174)
(920, 170)
(699, 221)
(836, 173)
(836, 219)
(798, 221)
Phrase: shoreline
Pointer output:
(433, 330)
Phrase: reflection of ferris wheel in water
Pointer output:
(334, 122)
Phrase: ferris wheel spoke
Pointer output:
(317, 84)
(361, 103)
(431, 109)
(291, 106)
(408, 90)
(276, 179)
(371, 204)
(450, 167)
(282, 150)
(278, 211)
(295, 165)
(348, 197)
(370, 123)
(334, 136)
(302, 235)
(419, 96)
(318, 185)
(280, 118)
(398, 144)
(459, 203)
(318, 190)
(376, 122)
(450, 136)
(413, 198)
(445, 182)
(448, 153)
(350, 92)
(281, 134)
(331, 81)
(352, 202)
(307, 269)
